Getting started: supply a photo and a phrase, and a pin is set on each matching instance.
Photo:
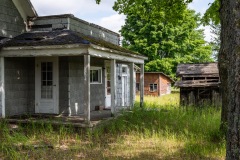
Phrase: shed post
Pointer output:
(131, 85)
(113, 86)
(141, 85)
(87, 88)
(2, 83)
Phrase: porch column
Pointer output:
(132, 85)
(86, 87)
(141, 85)
(2, 89)
(113, 86)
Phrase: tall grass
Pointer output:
(161, 130)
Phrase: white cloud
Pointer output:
(113, 22)
(88, 10)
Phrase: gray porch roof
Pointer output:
(61, 37)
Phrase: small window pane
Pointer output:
(95, 75)
(153, 87)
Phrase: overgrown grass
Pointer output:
(162, 130)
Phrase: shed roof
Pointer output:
(197, 69)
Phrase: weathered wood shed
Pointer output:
(199, 84)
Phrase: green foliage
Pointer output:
(215, 40)
(211, 16)
(165, 41)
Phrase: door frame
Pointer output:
(55, 79)
(107, 64)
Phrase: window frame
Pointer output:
(153, 84)
(99, 76)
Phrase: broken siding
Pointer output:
(11, 22)
(19, 86)
(47, 24)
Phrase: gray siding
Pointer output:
(94, 31)
(1, 83)
(98, 90)
(76, 92)
(11, 22)
(63, 84)
(19, 86)
(50, 23)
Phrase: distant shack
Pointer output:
(199, 84)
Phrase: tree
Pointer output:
(230, 17)
(165, 42)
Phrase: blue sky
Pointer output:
(102, 14)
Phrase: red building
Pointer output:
(155, 83)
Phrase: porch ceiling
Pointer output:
(66, 43)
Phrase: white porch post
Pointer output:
(2, 90)
(131, 85)
(113, 86)
(142, 85)
(87, 88)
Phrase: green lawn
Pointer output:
(162, 130)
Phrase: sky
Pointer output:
(102, 14)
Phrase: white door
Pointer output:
(108, 85)
(46, 85)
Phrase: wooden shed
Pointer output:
(199, 84)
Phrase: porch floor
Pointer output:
(97, 117)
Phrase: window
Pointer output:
(153, 87)
(137, 87)
(96, 75)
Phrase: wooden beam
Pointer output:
(86, 88)
(44, 51)
(131, 85)
(2, 81)
(107, 54)
(141, 85)
(113, 86)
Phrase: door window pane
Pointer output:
(46, 80)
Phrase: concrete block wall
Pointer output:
(19, 86)
(93, 30)
(1, 89)
(63, 84)
(11, 22)
(75, 85)
(63, 22)
(76, 80)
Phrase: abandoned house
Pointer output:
(155, 83)
(61, 65)
(199, 84)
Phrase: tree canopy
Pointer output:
(166, 42)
